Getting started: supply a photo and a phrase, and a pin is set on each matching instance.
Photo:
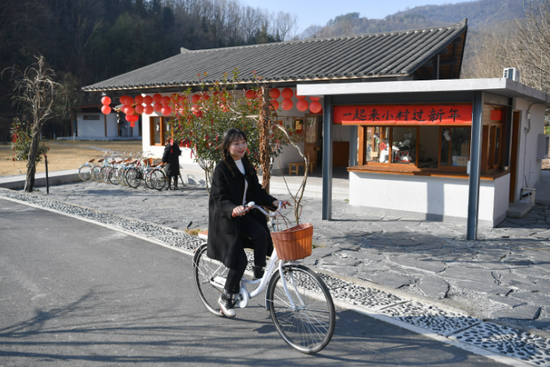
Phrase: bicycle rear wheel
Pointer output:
(204, 268)
(96, 173)
(85, 172)
(104, 174)
(132, 177)
(309, 324)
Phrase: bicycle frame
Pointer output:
(218, 280)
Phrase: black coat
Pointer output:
(171, 158)
(226, 193)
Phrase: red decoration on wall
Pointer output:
(425, 114)
(205, 97)
(300, 97)
(274, 93)
(139, 99)
(165, 100)
(129, 110)
(139, 109)
(315, 107)
(496, 115)
(106, 101)
(126, 100)
(196, 98)
(166, 111)
(106, 110)
(302, 105)
(274, 104)
(287, 104)
(315, 98)
(148, 109)
(287, 93)
(157, 98)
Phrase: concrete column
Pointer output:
(327, 159)
(475, 165)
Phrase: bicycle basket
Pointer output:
(294, 243)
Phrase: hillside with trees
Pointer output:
(86, 41)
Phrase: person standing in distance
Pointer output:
(231, 228)
(171, 157)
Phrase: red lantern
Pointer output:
(129, 110)
(105, 101)
(106, 110)
(147, 100)
(205, 97)
(166, 111)
(148, 109)
(274, 104)
(274, 93)
(287, 93)
(139, 99)
(165, 100)
(315, 107)
(302, 105)
(315, 98)
(132, 124)
(158, 107)
(287, 104)
(250, 94)
(126, 100)
(139, 109)
(157, 98)
(132, 118)
(300, 97)
(196, 98)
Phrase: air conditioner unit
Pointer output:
(511, 73)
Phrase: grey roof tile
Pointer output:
(387, 54)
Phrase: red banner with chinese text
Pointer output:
(403, 115)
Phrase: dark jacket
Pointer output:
(171, 158)
(226, 193)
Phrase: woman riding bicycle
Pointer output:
(230, 227)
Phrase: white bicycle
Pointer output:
(298, 300)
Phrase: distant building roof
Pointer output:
(412, 54)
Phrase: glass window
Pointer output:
(377, 144)
(160, 129)
(404, 145)
(455, 146)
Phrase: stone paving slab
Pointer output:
(456, 325)
(432, 259)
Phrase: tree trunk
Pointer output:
(31, 162)
(264, 136)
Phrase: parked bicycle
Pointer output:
(298, 300)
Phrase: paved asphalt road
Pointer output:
(74, 293)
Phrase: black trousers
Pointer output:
(175, 179)
(253, 230)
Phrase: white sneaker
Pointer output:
(227, 305)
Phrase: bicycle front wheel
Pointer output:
(158, 179)
(307, 319)
(113, 176)
(207, 271)
(85, 172)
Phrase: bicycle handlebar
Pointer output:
(252, 205)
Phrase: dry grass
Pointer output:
(64, 155)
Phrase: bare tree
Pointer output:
(35, 94)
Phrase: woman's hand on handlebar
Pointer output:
(239, 211)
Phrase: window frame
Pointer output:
(163, 131)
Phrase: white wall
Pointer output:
(437, 196)
(529, 168)
(90, 128)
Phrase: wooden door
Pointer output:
(310, 145)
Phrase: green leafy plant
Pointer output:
(21, 141)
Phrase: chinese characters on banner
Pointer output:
(403, 115)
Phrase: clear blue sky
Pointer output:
(319, 12)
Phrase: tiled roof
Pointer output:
(392, 54)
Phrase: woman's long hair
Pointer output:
(228, 137)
